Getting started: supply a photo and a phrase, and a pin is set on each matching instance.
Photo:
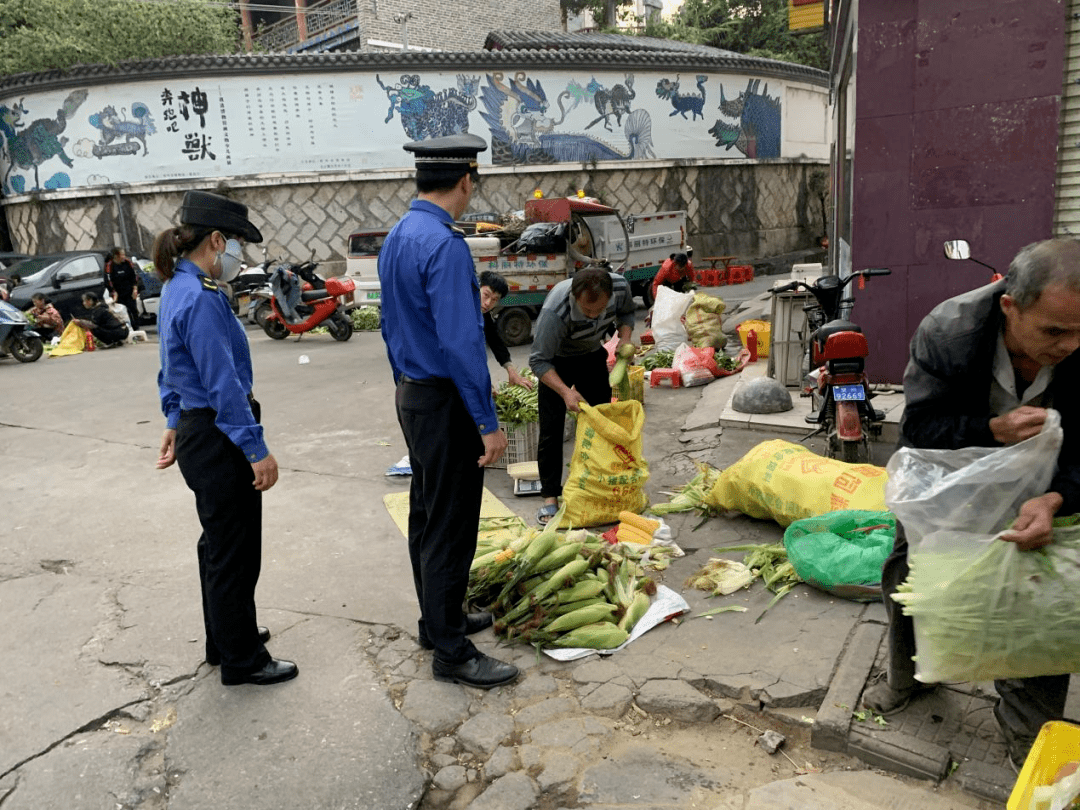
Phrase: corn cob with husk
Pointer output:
(560, 579)
(598, 636)
(590, 614)
(637, 609)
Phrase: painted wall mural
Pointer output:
(146, 132)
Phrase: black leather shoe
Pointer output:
(481, 671)
(474, 623)
(264, 636)
(275, 671)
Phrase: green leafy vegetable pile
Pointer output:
(365, 318)
(516, 406)
(658, 359)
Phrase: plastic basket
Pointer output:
(521, 444)
(1058, 742)
(764, 334)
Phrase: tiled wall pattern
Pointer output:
(748, 210)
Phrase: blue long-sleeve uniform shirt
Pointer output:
(431, 318)
(205, 359)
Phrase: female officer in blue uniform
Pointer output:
(212, 427)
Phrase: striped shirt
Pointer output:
(563, 331)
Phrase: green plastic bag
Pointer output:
(842, 552)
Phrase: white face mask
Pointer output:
(230, 260)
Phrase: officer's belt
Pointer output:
(431, 382)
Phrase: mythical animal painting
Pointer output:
(611, 102)
(27, 147)
(522, 132)
(693, 103)
(427, 114)
(757, 133)
(113, 127)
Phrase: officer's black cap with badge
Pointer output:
(214, 211)
(448, 158)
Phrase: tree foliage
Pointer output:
(749, 27)
(43, 35)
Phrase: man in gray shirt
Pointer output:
(569, 360)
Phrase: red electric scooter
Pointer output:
(301, 301)
(838, 348)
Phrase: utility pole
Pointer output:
(403, 21)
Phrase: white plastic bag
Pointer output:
(667, 318)
(976, 490)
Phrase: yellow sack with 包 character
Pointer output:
(785, 482)
(607, 471)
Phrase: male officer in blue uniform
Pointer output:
(433, 328)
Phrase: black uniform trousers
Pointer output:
(230, 548)
(444, 508)
(586, 372)
(1026, 703)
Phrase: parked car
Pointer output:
(8, 258)
(362, 264)
(63, 277)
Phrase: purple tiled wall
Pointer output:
(956, 133)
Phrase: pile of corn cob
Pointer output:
(559, 589)
(765, 561)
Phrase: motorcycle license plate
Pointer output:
(849, 393)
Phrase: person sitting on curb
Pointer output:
(984, 368)
(569, 359)
(47, 321)
(101, 323)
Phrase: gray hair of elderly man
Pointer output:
(1040, 264)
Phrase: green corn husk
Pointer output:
(693, 496)
(983, 609)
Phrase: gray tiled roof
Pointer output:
(560, 40)
(611, 57)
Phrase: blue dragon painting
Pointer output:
(427, 114)
(27, 147)
(516, 112)
(757, 133)
(693, 103)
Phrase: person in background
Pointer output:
(122, 281)
(570, 361)
(13, 281)
(47, 321)
(433, 329)
(493, 288)
(677, 273)
(101, 323)
(212, 428)
(984, 368)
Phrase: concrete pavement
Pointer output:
(108, 703)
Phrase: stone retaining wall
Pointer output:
(750, 209)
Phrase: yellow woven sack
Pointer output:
(704, 326)
(607, 471)
(72, 341)
(785, 482)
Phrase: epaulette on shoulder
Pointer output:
(209, 284)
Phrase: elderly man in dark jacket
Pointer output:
(984, 368)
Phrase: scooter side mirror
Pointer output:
(957, 249)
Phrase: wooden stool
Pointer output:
(669, 374)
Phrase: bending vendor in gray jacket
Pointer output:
(984, 368)
(569, 360)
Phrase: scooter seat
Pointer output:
(312, 295)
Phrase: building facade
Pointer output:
(950, 123)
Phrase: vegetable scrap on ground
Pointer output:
(562, 589)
